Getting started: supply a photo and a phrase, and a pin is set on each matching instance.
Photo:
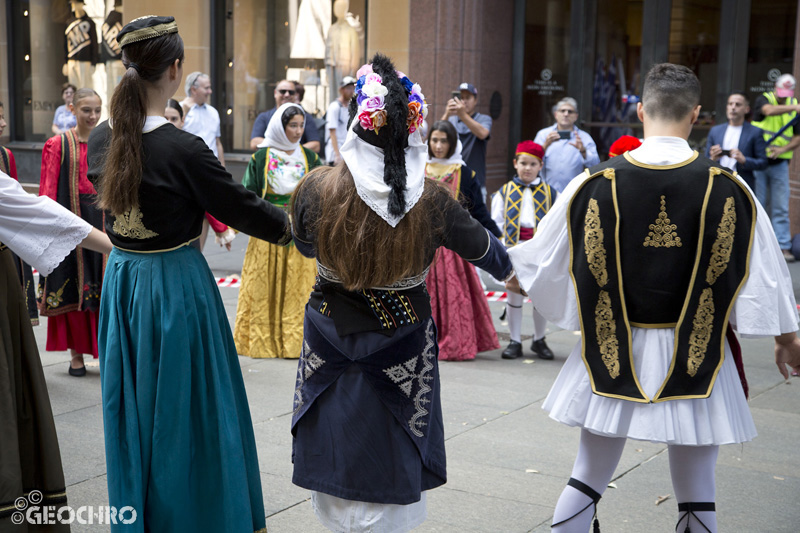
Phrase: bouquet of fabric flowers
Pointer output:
(370, 96)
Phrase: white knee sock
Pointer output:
(514, 315)
(595, 464)
(692, 471)
(539, 325)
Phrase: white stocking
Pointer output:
(692, 471)
(539, 325)
(595, 464)
(514, 315)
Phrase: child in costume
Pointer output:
(652, 255)
(518, 207)
(459, 306)
(70, 295)
(367, 425)
(276, 280)
(180, 447)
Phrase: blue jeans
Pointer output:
(772, 190)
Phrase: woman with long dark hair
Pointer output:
(367, 423)
(70, 295)
(179, 439)
(276, 281)
(460, 310)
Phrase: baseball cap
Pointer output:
(468, 87)
(347, 80)
(784, 87)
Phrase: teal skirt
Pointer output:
(179, 439)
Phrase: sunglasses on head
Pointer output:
(287, 91)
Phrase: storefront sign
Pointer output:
(545, 85)
(765, 86)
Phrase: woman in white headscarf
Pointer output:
(276, 281)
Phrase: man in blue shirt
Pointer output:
(285, 92)
(567, 149)
(473, 130)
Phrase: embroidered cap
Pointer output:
(626, 143)
(144, 28)
(530, 148)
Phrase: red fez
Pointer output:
(626, 143)
(531, 148)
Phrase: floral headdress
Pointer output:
(383, 149)
(370, 97)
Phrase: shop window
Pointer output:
(771, 46)
(57, 42)
(314, 42)
(694, 42)
(547, 40)
(617, 77)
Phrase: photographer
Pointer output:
(567, 149)
(472, 127)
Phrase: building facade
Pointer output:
(522, 55)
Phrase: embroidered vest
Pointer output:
(655, 249)
(772, 124)
(511, 193)
(76, 283)
(448, 176)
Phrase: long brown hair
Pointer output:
(358, 244)
(145, 61)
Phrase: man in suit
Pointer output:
(738, 145)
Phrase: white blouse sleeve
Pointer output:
(542, 264)
(40, 231)
(765, 305)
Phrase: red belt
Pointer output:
(525, 234)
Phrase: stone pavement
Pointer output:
(507, 461)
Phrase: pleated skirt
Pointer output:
(276, 284)
(179, 438)
(29, 455)
(459, 308)
(722, 418)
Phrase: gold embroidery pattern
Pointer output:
(593, 241)
(130, 225)
(702, 325)
(662, 232)
(721, 251)
(608, 173)
(55, 298)
(606, 330)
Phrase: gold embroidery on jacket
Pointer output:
(721, 251)
(608, 173)
(55, 298)
(593, 241)
(702, 325)
(662, 232)
(606, 329)
(130, 225)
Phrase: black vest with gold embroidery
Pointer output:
(658, 247)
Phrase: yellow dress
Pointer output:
(276, 280)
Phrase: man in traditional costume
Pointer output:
(653, 255)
